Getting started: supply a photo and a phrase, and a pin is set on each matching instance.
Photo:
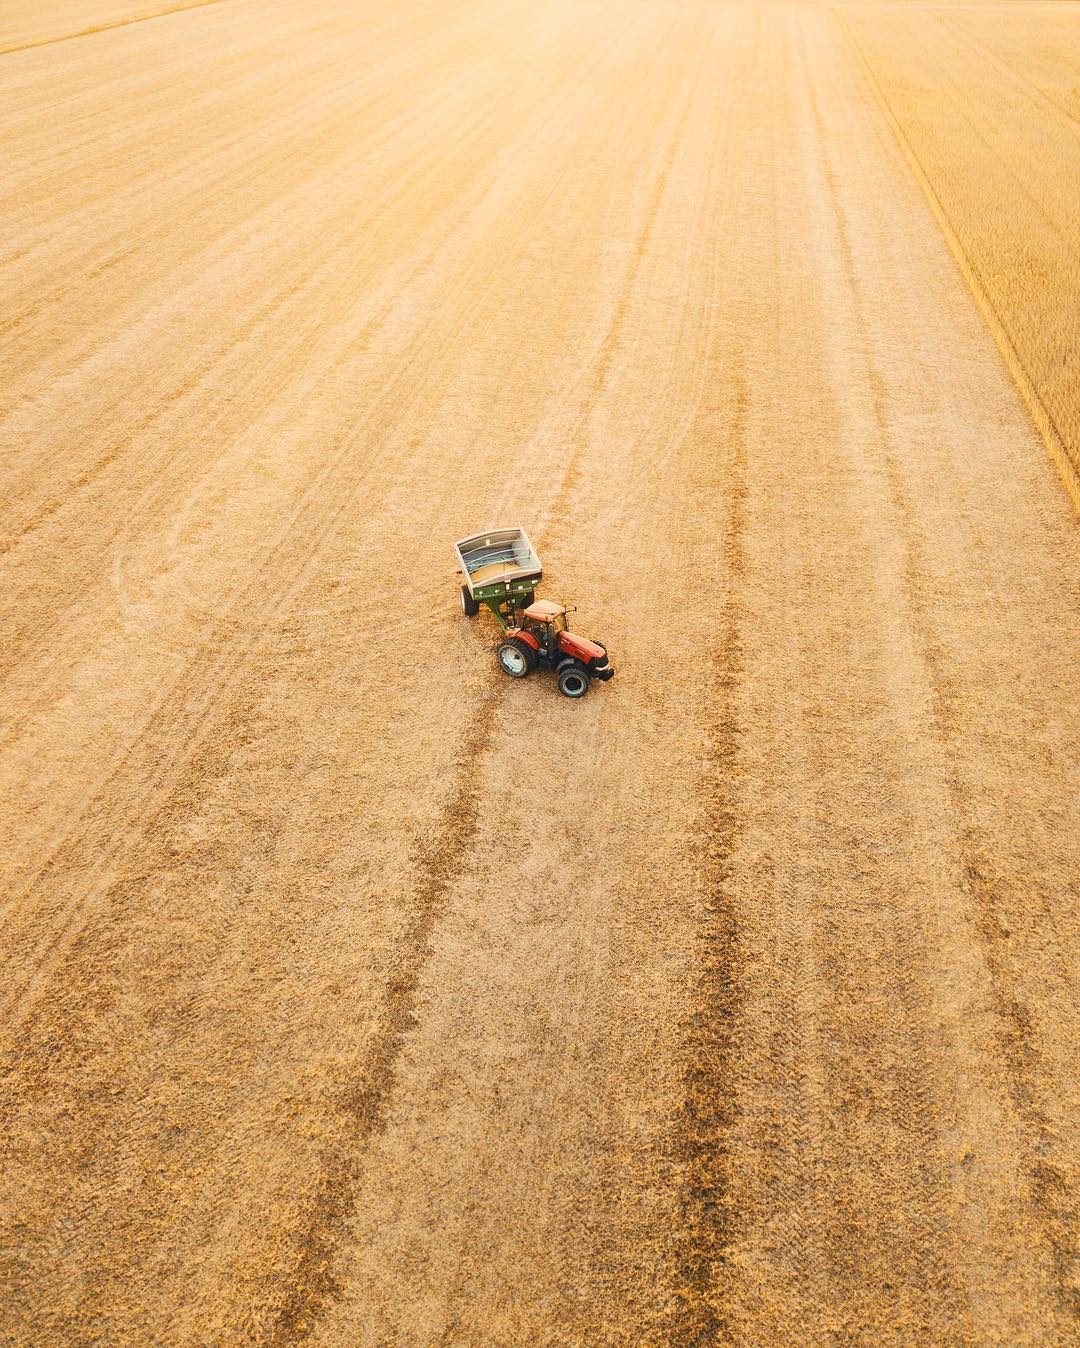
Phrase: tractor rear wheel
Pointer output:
(573, 679)
(469, 606)
(517, 657)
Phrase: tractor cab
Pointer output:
(544, 621)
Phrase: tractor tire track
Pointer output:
(363, 1105)
(909, 983)
(709, 1218)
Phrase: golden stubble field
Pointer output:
(356, 995)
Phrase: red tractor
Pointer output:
(541, 637)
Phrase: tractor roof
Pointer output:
(543, 610)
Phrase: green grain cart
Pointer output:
(501, 570)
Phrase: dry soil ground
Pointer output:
(356, 995)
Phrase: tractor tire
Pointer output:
(469, 606)
(573, 678)
(517, 657)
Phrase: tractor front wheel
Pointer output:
(517, 657)
(469, 606)
(573, 679)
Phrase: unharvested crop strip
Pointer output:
(1037, 409)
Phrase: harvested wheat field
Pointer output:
(356, 994)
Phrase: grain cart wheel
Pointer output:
(469, 606)
(573, 679)
(517, 657)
